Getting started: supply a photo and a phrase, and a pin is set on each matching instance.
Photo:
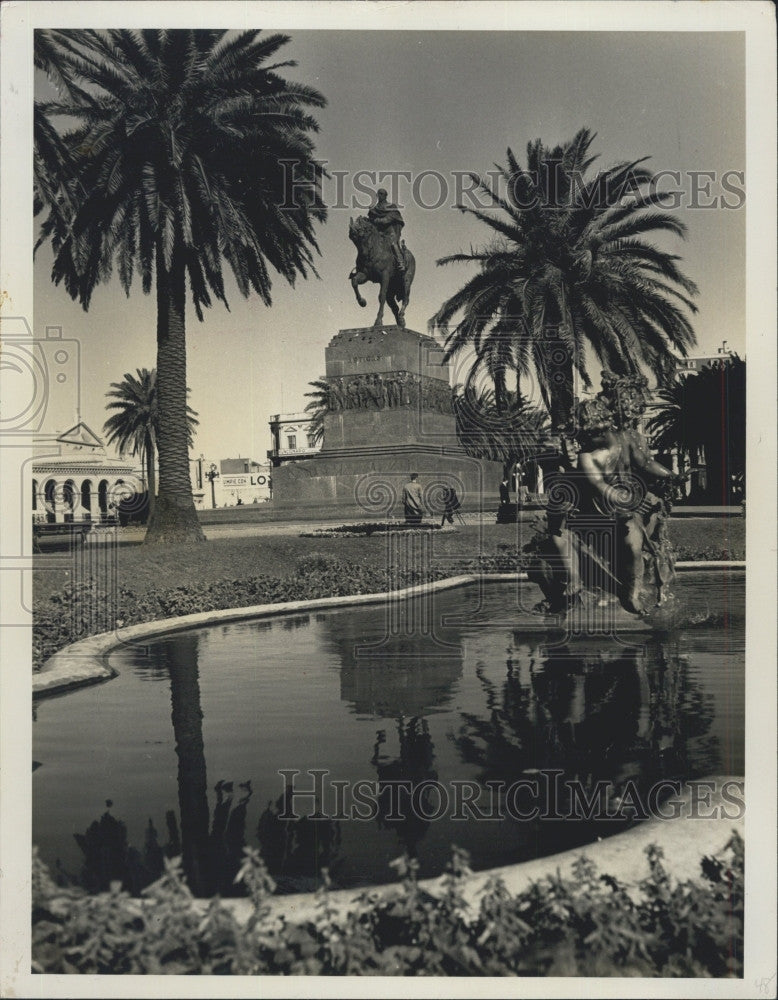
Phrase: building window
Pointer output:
(311, 440)
(291, 442)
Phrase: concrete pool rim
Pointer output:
(86, 661)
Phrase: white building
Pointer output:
(292, 437)
(77, 481)
(230, 482)
(242, 481)
(696, 363)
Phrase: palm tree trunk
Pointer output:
(558, 367)
(151, 475)
(187, 719)
(564, 371)
(174, 518)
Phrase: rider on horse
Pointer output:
(386, 217)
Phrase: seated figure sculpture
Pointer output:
(605, 532)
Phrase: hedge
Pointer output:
(587, 925)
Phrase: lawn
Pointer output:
(143, 569)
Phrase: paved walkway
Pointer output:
(275, 528)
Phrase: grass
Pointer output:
(143, 569)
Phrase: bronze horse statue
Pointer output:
(376, 262)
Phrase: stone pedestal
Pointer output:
(390, 414)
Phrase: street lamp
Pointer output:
(212, 474)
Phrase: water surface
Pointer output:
(187, 743)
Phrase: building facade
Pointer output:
(78, 481)
(693, 365)
(292, 437)
(229, 482)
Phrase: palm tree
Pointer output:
(177, 162)
(134, 428)
(568, 268)
(675, 420)
(319, 406)
(512, 434)
(703, 417)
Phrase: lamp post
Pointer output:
(212, 474)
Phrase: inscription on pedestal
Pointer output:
(388, 349)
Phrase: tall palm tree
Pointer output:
(134, 428)
(567, 268)
(176, 163)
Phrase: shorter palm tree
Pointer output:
(513, 432)
(703, 414)
(134, 427)
(319, 406)
(675, 423)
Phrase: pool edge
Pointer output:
(86, 661)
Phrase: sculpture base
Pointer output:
(389, 414)
(368, 483)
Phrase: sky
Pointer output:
(443, 102)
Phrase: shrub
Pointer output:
(371, 528)
(315, 562)
(87, 609)
(585, 926)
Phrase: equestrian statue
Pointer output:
(382, 258)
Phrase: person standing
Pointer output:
(413, 502)
(505, 512)
(451, 505)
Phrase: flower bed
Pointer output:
(371, 528)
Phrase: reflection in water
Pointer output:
(411, 713)
(398, 779)
(402, 676)
(211, 857)
(597, 714)
(296, 850)
(402, 679)
(211, 847)
(187, 717)
(109, 858)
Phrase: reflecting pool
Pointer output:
(432, 723)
